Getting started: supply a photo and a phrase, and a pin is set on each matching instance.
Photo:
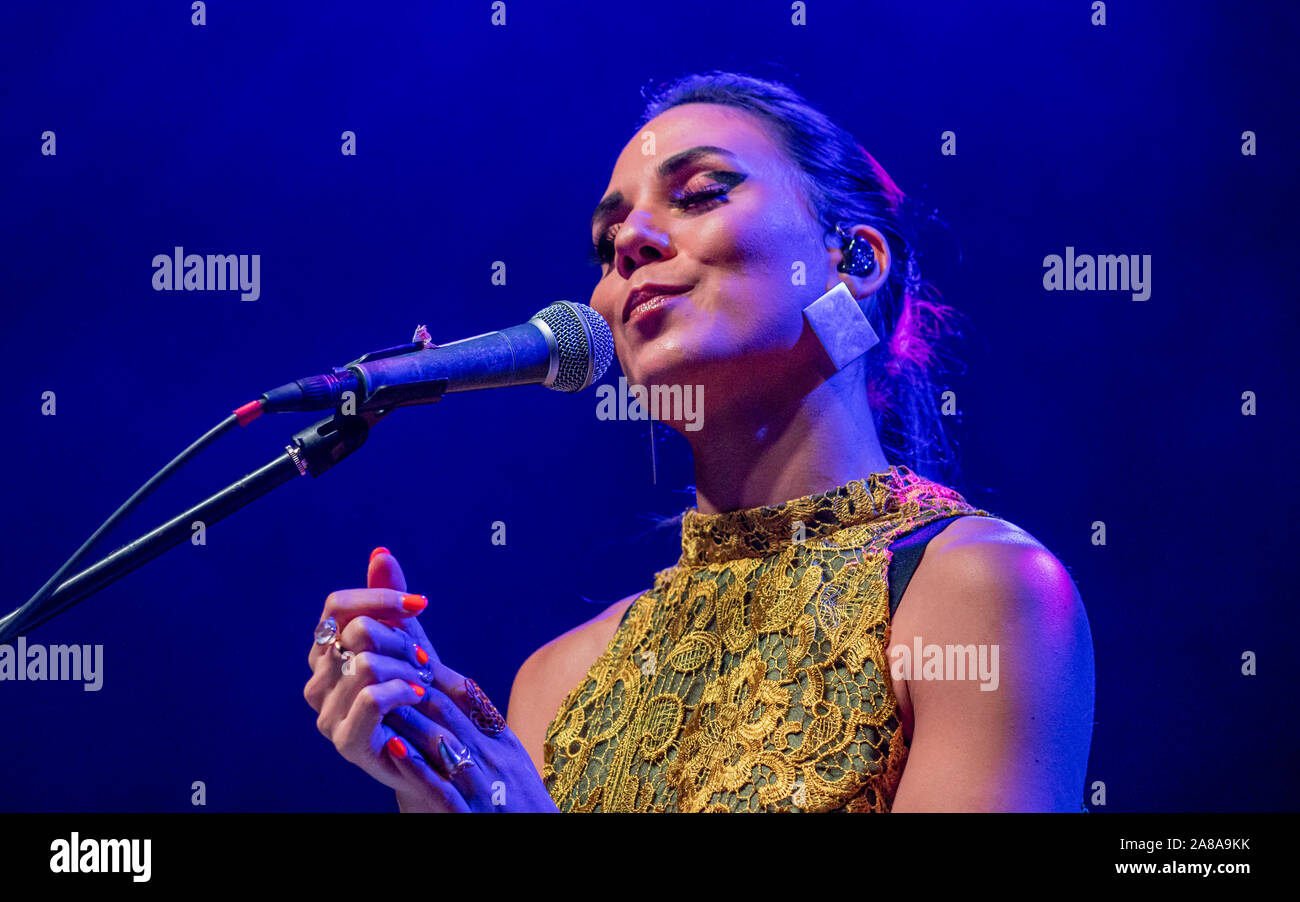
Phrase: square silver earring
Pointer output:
(841, 326)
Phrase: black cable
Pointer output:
(12, 620)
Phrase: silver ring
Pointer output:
(455, 762)
(327, 632)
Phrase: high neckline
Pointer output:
(760, 531)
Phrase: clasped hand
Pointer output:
(393, 709)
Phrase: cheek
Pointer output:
(607, 300)
(604, 300)
(745, 238)
(755, 267)
(760, 245)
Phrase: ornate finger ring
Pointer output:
(327, 633)
(456, 761)
(482, 713)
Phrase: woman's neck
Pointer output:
(821, 437)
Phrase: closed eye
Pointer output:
(602, 250)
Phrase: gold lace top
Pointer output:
(752, 677)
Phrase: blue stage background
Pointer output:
(478, 143)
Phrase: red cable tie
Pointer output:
(249, 412)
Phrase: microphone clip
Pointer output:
(396, 351)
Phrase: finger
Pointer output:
(413, 768)
(384, 572)
(358, 737)
(388, 605)
(454, 687)
(325, 673)
(425, 651)
(413, 626)
(367, 634)
(348, 606)
(366, 740)
(427, 736)
(490, 751)
(359, 672)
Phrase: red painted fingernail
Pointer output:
(414, 603)
(396, 747)
(419, 690)
(380, 550)
(421, 655)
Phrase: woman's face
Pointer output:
(703, 206)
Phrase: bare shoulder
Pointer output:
(549, 674)
(984, 580)
(981, 568)
(985, 554)
(982, 531)
(1009, 727)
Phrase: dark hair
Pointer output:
(844, 182)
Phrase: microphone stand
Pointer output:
(313, 450)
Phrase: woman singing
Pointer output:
(802, 655)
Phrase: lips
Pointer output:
(647, 293)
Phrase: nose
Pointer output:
(638, 242)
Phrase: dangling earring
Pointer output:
(836, 317)
(654, 466)
(859, 255)
(839, 323)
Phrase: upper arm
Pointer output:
(1015, 737)
(523, 715)
(549, 674)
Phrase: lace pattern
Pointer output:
(752, 677)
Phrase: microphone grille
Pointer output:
(586, 346)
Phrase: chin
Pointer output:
(663, 366)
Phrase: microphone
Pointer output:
(565, 346)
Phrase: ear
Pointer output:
(861, 286)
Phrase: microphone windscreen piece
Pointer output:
(586, 346)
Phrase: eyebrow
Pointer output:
(665, 169)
